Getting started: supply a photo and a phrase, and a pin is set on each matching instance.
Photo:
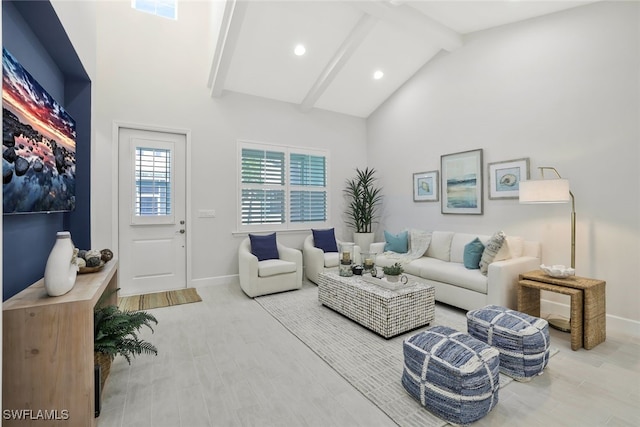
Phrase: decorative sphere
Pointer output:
(81, 263)
(93, 253)
(106, 255)
(82, 254)
(93, 261)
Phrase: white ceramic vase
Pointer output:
(61, 270)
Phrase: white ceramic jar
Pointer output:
(61, 270)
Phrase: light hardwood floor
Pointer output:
(226, 362)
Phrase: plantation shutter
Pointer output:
(153, 182)
(263, 182)
(308, 195)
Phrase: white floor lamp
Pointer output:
(554, 190)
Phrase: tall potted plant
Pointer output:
(116, 332)
(363, 200)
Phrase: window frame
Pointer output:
(288, 225)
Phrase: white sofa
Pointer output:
(442, 266)
(316, 261)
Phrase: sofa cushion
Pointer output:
(264, 247)
(325, 240)
(459, 241)
(413, 267)
(450, 272)
(516, 246)
(472, 254)
(331, 259)
(271, 267)
(398, 243)
(440, 246)
(503, 253)
(491, 249)
(511, 248)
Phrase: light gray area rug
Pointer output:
(372, 364)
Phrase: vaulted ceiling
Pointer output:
(346, 42)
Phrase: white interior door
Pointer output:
(151, 211)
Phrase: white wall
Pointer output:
(78, 19)
(562, 90)
(154, 71)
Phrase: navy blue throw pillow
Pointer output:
(264, 247)
(325, 240)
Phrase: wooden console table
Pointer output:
(588, 304)
(47, 359)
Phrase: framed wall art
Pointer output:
(462, 182)
(426, 187)
(504, 178)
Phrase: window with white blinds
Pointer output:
(282, 187)
(153, 182)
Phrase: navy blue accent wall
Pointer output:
(32, 32)
(78, 104)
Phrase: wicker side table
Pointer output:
(588, 304)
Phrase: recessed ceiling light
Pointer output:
(378, 75)
(299, 50)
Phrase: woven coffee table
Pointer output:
(384, 311)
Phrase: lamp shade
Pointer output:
(545, 191)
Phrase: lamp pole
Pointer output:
(573, 216)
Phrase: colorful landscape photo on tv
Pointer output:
(38, 145)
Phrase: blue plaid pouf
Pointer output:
(523, 340)
(452, 374)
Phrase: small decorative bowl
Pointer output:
(559, 271)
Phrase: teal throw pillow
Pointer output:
(472, 254)
(398, 243)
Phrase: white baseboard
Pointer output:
(215, 281)
(614, 323)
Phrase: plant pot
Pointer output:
(104, 361)
(392, 278)
(363, 240)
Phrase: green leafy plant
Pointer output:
(393, 270)
(116, 331)
(363, 200)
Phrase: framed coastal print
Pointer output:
(504, 178)
(462, 182)
(425, 186)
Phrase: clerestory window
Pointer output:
(164, 8)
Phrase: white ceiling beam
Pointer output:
(232, 18)
(412, 20)
(339, 59)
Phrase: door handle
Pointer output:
(182, 231)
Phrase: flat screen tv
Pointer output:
(38, 145)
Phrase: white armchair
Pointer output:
(317, 261)
(269, 276)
